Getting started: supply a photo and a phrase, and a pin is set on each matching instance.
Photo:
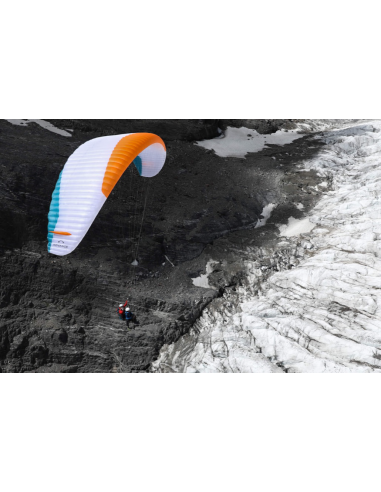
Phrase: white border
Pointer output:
(207, 59)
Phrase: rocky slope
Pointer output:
(58, 313)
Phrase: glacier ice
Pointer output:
(321, 311)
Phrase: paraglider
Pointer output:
(120, 310)
(88, 178)
(125, 314)
(130, 317)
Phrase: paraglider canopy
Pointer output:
(88, 178)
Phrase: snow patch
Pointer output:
(43, 124)
(295, 227)
(266, 212)
(237, 142)
(202, 280)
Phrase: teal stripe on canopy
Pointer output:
(139, 164)
(54, 211)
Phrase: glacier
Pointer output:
(319, 310)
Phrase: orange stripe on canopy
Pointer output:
(123, 154)
(62, 233)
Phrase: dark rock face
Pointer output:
(184, 130)
(59, 313)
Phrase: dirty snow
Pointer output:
(237, 142)
(314, 305)
(296, 227)
(266, 213)
(203, 280)
(43, 124)
(325, 125)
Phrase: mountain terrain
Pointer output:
(203, 211)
